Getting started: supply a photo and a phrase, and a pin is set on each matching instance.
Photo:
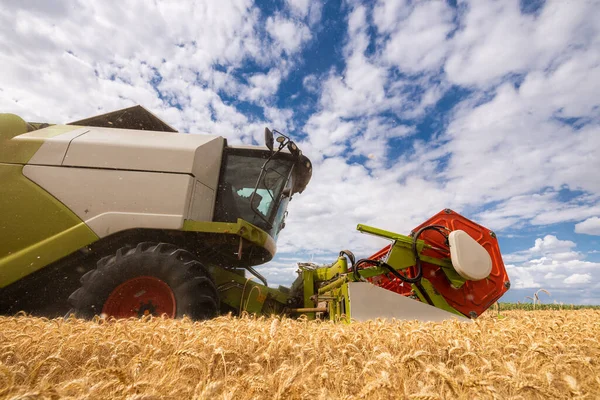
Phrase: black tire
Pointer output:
(195, 293)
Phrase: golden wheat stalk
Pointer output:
(541, 354)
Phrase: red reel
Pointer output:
(474, 296)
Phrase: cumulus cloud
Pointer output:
(508, 149)
(416, 34)
(299, 8)
(490, 41)
(262, 85)
(288, 34)
(182, 63)
(590, 226)
(311, 83)
(551, 244)
(553, 264)
(578, 279)
(548, 247)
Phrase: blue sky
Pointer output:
(490, 108)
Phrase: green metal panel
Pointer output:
(240, 228)
(335, 284)
(11, 125)
(36, 229)
(338, 268)
(339, 303)
(243, 294)
(455, 279)
(308, 278)
(403, 239)
(437, 299)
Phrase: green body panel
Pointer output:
(240, 228)
(235, 289)
(437, 300)
(11, 125)
(455, 279)
(339, 304)
(340, 267)
(20, 151)
(36, 229)
(308, 278)
(243, 294)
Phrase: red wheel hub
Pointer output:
(144, 295)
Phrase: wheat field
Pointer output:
(519, 355)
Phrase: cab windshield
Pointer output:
(240, 173)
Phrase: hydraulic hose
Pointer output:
(350, 256)
(438, 228)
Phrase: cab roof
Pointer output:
(136, 117)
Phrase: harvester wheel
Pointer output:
(150, 279)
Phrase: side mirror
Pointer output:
(269, 138)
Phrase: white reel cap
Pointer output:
(470, 259)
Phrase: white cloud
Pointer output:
(417, 36)
(578, 279)
(552, 263)
(551, 244)
(299, 8)
(289, 34)
(491, 40)
(590, 226)
(522, 278)
(508, 149)
(262, 85)
(315, 13)
(548, 248)
(538, 209)
(58, 70)
(375, 132)
(362, 82)
(511, 145)
(552, 275)
(311, 83)
(387, 14)
(581, 207)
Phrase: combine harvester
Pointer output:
(119, 215)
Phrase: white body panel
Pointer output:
(54, 149)
(197, 155)
(111, 200)
(369, 302)
(200, 207)
(118, 179)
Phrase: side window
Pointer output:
(238, 181)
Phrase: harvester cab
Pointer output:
(257, 184)
(119, 215)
